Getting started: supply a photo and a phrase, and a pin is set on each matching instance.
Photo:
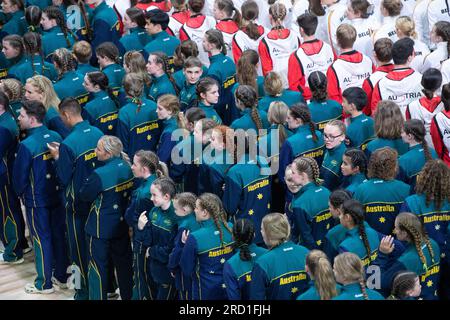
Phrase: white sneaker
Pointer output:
(2, 260)
(59, 284)
(112, 295)
(27, 250)
(30, 288)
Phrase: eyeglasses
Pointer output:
(331, 138)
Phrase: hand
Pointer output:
(184, 236)
(147, 253)
(387, 245)
(142, 220)
(172, 274)
(53, 147)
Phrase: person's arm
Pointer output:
(286, 157)
(237, 51)
(91, 188)
(64, 164)
(165, 147)
(123, 131)
(183, 35)
(188, 259)
(5, 142)
(231, 283)
(161, 251)
(259, 284)
(175, 255)
(368, 89)
(436, 137)
(21, 170)
(334, 91)
(296, 77)
(231, 196)
(265, 58)
(302, 223)
(376, 97)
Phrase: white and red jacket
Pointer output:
(176, 21)
(228, 27)
(349, 70)
(445, 70)
(425, 109)
(402, 86)
(241, 42)
(372, 80)
(440, 133)
(274, 51)
(163, 5)
(194, 29)
(313, 55)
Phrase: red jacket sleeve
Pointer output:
(334, 91)
(437, 138)
(376, 97)
(368, 89)
(183, 35)
(237, 51)
(295, 73)
(266, 60)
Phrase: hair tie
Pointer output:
(136, 101)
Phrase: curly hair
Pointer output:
(383, 164)
(434, 182)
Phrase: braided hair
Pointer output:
(403, 282)
(317, 82)
(150, 160)
(349, 268)
(212, 204)
(114, 147)
(247, 97)
(417, 129)
(243, 234)
(278, 12)
(411, 224)
(308, 166)
(64, 61)
(301, 111)
(33, 45)
(277, 114)
(84, 15)
(33, 16)
(356, 211)
(133, 85)
(100, 79)
(162, 59)
(54, 13)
